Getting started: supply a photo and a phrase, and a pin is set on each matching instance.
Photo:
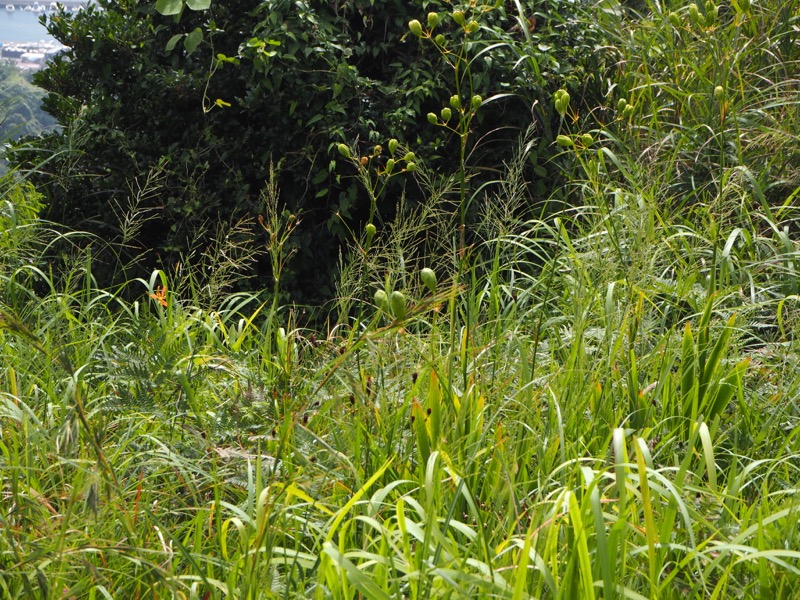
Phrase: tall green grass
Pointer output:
(597, 404)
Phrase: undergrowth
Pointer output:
(602, 402)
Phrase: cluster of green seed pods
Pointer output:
(707, 18)
(415, 27)
(565, 141)
(624, 109)
(394, 304)
(409, 157)
(561, 99)
(455, 104)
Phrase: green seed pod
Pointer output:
(719, 93)
(458, 17)
(455, 101)
(446, 114)
(476, 102)
(433, 19)
(558, 94)
(393, 144)
(712, 12)
(587, 139)
(429, 279)
(371, 230)
(562, 103)
(398, 304)
(410, 157)
(411, 167)
(695, 16)
(675, 19)
(621, 104)
(432, 118)
(628, 111)
(472, 26)
(344, 150)
(564, 141)
(389, 166)
(440, 41)
(382, 301)
(415, 27)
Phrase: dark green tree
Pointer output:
(208, 94)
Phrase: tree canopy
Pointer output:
(199, 99)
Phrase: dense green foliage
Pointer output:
(598, 403)
(203, 101)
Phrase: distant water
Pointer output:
(21, 26)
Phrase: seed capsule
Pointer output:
(476, 102)
(433, 19)
(371, 230)
(712, 12)
(458, 17)
(564, 141)
(398, 304)
(429, 279)
(440, 40)
(389, 165)
(562, 99)
(719, 92)
(587, 139)
(472, 27)
(432, 118)
(344, 150)
(411, 167)
(446, 114)
(410, 157)
(621, 104)
(382, 301)
(415, 27)
(455, 101)
(393, 143)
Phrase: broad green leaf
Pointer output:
(173, 41)
(193, 40)
(198, 4)
(169, 7)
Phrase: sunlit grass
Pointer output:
(600, 403)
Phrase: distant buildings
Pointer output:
(29, 56)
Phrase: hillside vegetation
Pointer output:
(590, 394)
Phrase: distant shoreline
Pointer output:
(30, 56)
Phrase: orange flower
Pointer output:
(160, 295)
